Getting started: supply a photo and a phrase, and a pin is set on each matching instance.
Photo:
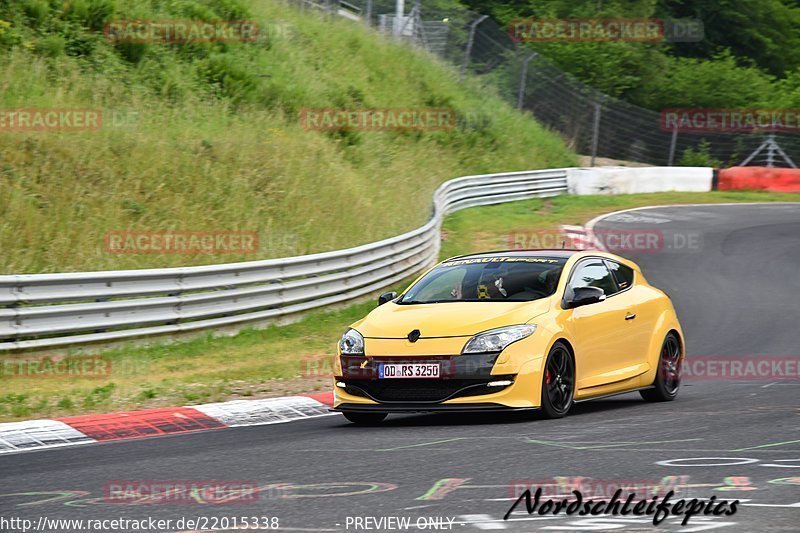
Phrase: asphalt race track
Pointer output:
(732, 272)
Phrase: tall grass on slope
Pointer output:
(205, 136)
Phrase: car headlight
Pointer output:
(495, 340)
(351, 343)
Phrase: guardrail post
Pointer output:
(672, 143)
(470, 42)
(523, 78)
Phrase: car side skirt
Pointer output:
(610, 394)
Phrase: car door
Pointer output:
(597, 329)
(639, 316)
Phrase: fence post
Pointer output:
(781, 153)
(672, 144)
(771, 150)
(368, 14)
(399, 14)
(523, 78)
(470, 41)
(595, 131)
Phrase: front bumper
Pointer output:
(392, 391)
(464, 386)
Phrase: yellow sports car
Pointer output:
(505, 330)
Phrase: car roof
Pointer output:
(559, 253)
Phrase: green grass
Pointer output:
(214, 140)
(294, 358)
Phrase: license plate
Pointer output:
(408, 370)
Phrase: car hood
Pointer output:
(450, 319)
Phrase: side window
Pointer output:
(622, 273)
(593, 273)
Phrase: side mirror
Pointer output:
(386, 297)
(584, 296)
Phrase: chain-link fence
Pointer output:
(591, 122)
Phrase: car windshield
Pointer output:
(519, 279)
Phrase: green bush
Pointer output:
(51, 45)
(230, 77)
(699, 157)
(92, 14)
(37, 12)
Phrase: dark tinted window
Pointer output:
(593, 273)
(488, 279)
(623, 274)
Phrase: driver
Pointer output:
(493, 283)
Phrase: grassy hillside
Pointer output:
(206, 136)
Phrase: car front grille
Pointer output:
(420, 390)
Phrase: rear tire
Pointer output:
(668, 376)
(558, 382)
(365, 419)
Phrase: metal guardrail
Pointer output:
(49, 310)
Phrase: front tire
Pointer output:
(365, 419)
(558, 382)
(668, 377)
